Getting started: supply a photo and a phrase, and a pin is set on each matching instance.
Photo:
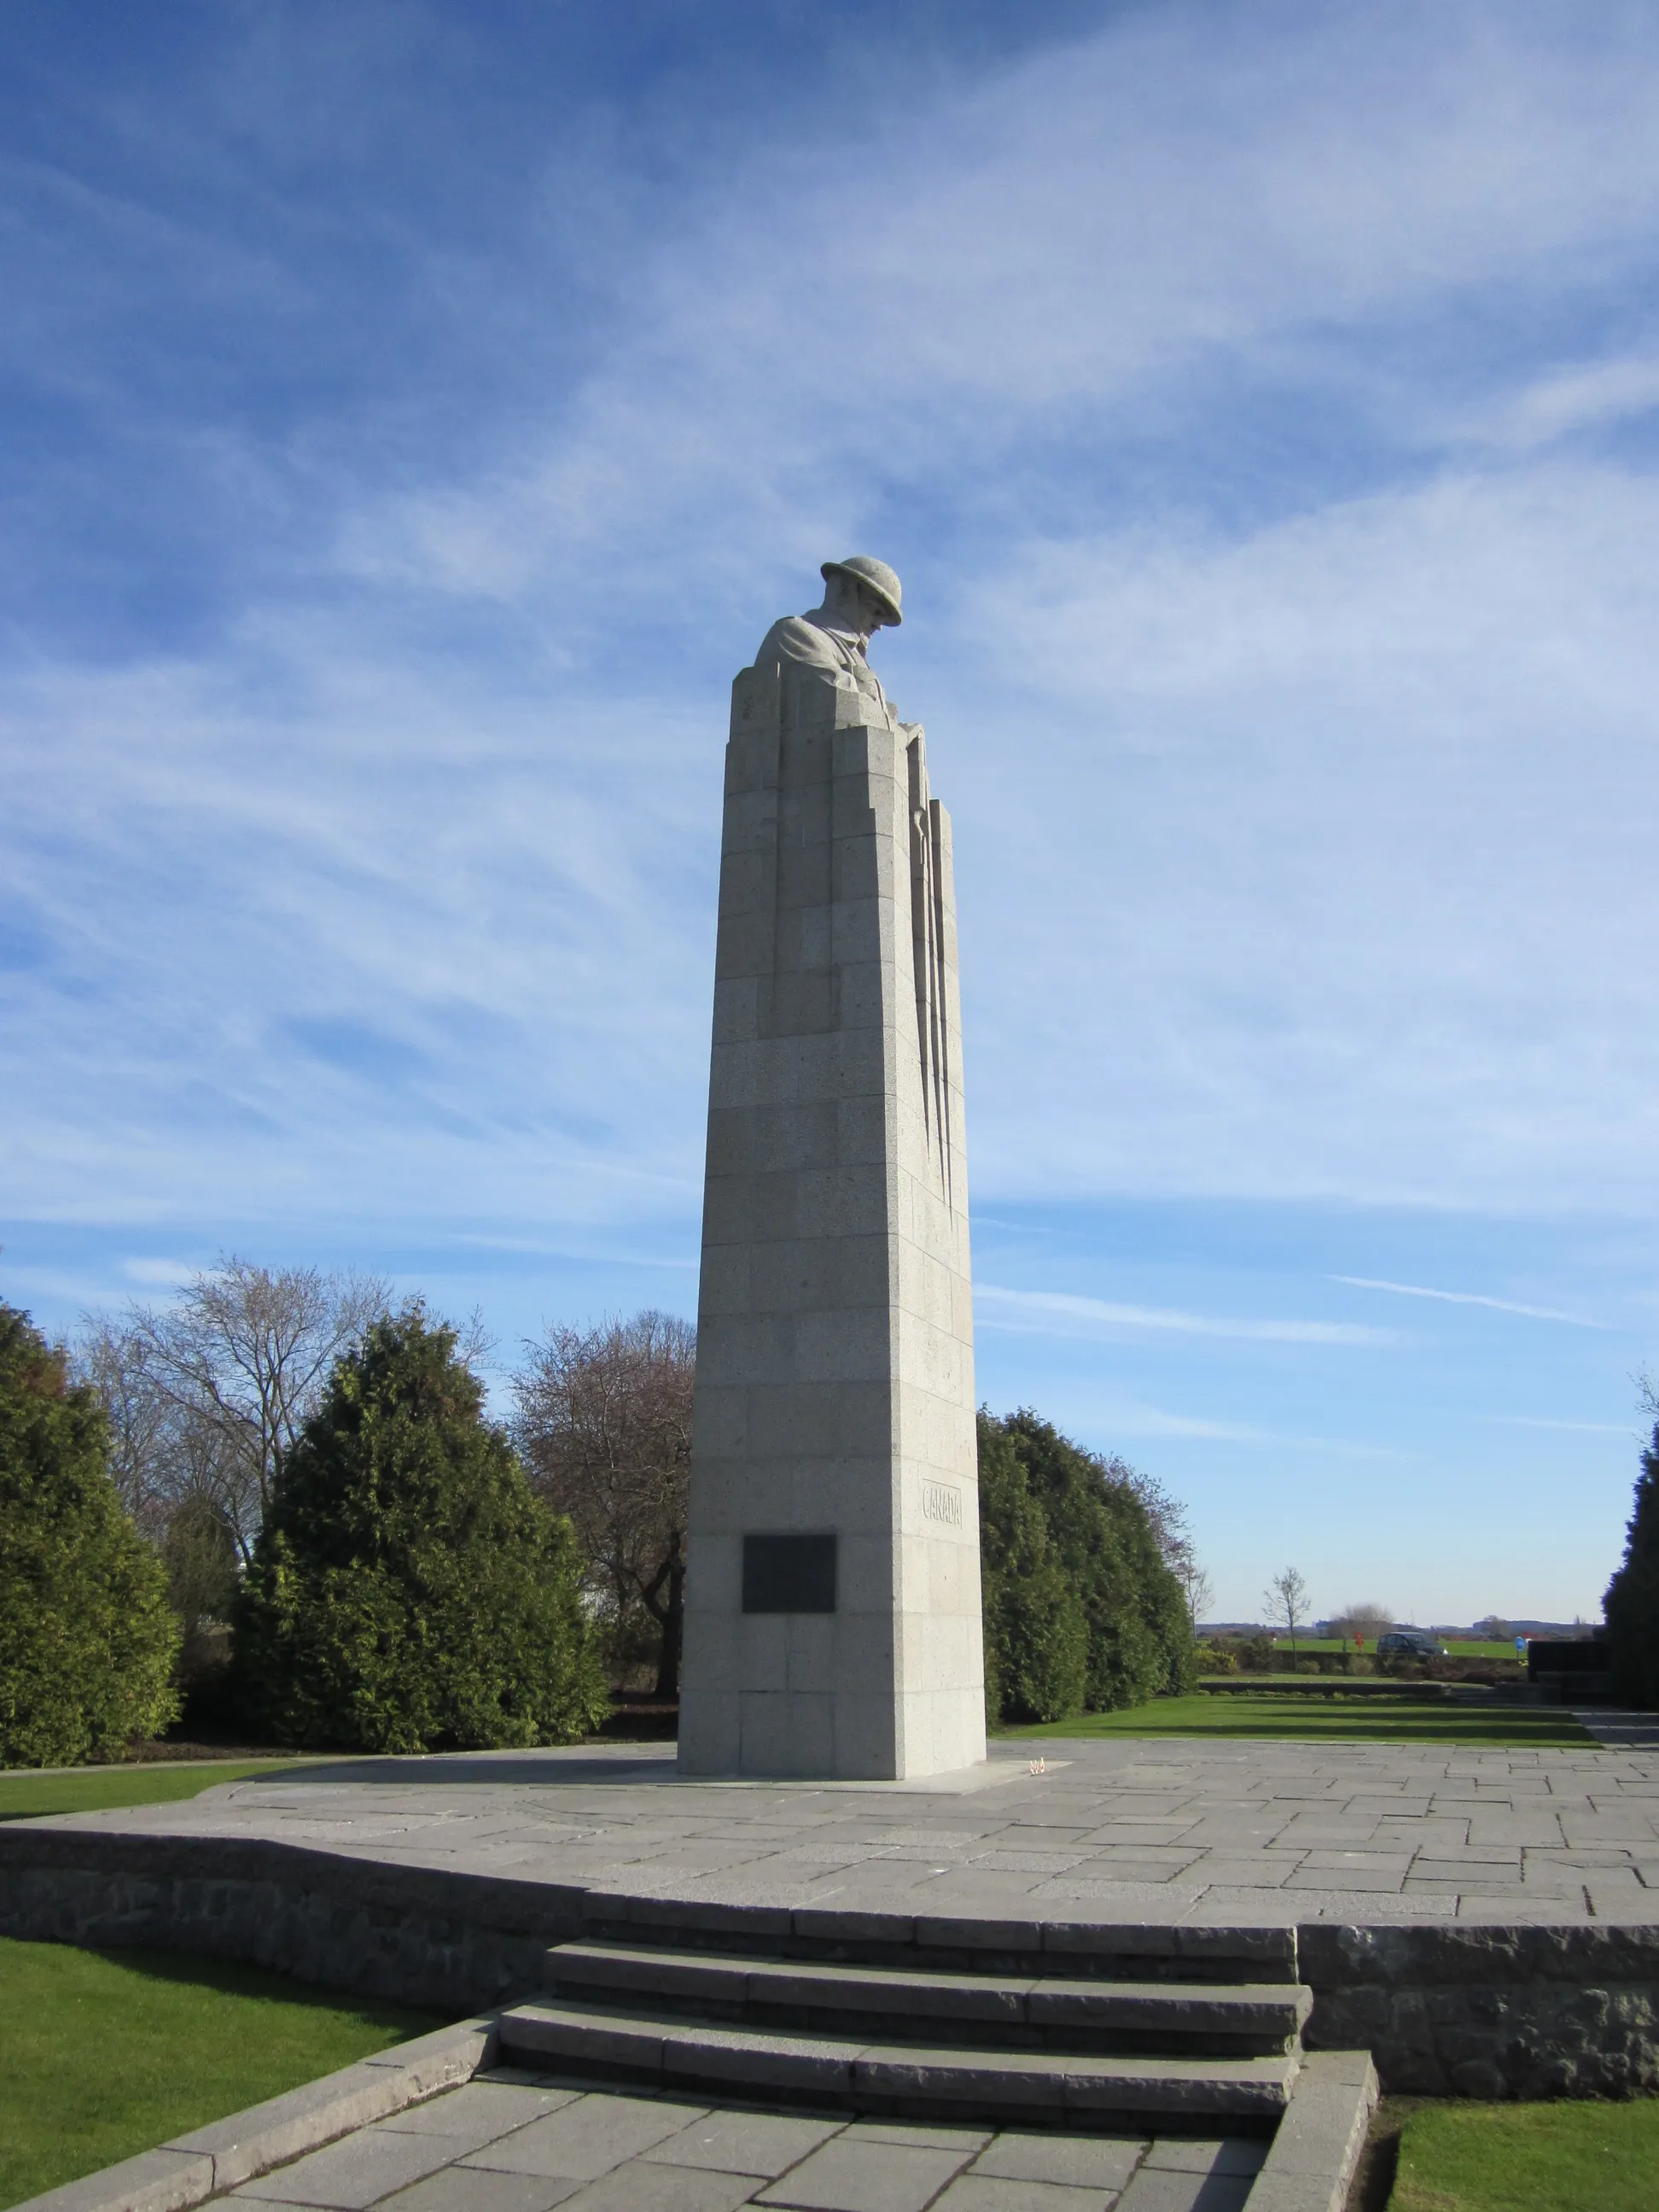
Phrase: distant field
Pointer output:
(1303, 1684)
(1459, 1648)
(1361, 1720)
(27, 1795)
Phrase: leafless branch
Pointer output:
(604, 1423)
(206, 1395)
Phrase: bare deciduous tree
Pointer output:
(1166, 1513)
(1199, 1590)
(1175, 1541)
(143, 1444)
(206, 1395)
(1167, 1517)
(604, 1424)
(1366, 1618)
(1286, 1599)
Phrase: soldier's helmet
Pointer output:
(875, 575)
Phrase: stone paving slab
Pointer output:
(1483, 1921)
(1148, 1829)
(556, 2141)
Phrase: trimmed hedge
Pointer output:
(1082, 1613)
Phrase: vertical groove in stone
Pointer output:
(834, 1384)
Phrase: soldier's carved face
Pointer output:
(851, 606)
(873, 613)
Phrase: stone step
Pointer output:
(1097, 1950)
(1017, 2011)
(1040, 2087)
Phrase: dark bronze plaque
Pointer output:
(788, 1574)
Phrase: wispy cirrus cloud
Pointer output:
(419, 414)
(1100, 1313)
(1574, 398)
(1131, 1418)
(155, 1274)
(1573, 1428)
(1470, 1298)
(1347, 919)
(1137, 203)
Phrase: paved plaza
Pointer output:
(516, 2142)
(1144, 1830)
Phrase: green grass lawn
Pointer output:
(25, 1796)
(1358, 1686)
(1568, 2157)
(1368, 1719)
(107, 2053)
(1459, 1647)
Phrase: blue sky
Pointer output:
(415, 415)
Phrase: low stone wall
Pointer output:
(454, 1942)
(1490, 2011)
(1469, 2010)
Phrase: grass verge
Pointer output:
(1530, 2158)
(25, 1795)
(103, 2054)
(1460, 1647)
(1369, 1719)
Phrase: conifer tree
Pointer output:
(86, 1638)
(1037, 1640)
(1082, 1608)
(408, 1593)
(1631, 1605)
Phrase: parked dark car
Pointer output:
(1412, 1643)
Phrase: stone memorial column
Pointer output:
(832, 1622)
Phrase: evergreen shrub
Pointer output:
(408, 1592)
(1082, 1613)
(1631, 1605)
(87, 1637)
(199, 1551)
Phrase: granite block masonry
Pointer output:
(832, 1622)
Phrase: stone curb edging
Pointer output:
(206, 2162)
(1310, 2168)
(1317, 2146)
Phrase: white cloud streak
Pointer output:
(1304, 808)
(1353, 858)
(1047, 255)
(1598, 394)
(1573, 1428)
(371, 938)
(1102, 1314)
(158, 1275)
(1469, 1298)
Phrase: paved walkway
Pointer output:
(1627, 1731)
(520, 2143)
(1158, 1830)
